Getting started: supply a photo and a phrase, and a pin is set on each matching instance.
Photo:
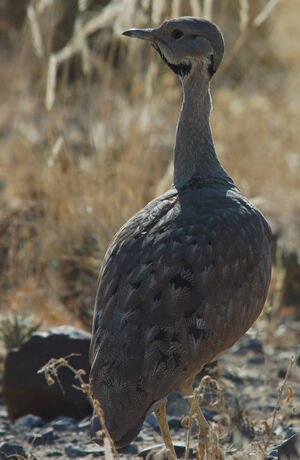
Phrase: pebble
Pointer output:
(290, 448)
(248, 343)
(29, 421)
(177, 405)
(157, 451)
(153, 422)
(63, 423)
(11, 450)
(232, 375)
(132, 449)
(3, 413)
(209, 414)
(175, 423)
(54, 453)
(41, 437)
(77, 452)
(85, 423)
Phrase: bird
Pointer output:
(187, 275)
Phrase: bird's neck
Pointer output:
(195, 154)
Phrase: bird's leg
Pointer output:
(161, 415)
(187, 390)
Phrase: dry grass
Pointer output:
(50, 371)
(72, 175)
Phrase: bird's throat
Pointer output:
(194, 154)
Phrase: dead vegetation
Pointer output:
(87, 126)
(209, 393)
(87, 140)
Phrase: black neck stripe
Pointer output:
(181, 69)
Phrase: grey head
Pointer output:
(186, 44)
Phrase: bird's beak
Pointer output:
(143, 34)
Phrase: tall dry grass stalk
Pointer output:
(74, 172)
(87, 128)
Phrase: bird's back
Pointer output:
(182, 280)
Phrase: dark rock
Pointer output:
(139, 438)
(177, 405)
(11, 450)
(74, 452)
(209, 414)
(248, 343)
(40, 438)
(78, 452)
(153, 422)
(63, 423)
(231, 375)
(84, 424)
(273, 455)
(291, 281)
(29, 421)
(175, 424)
(3, 414)
(281, 373)
(151, 452)
(258, 359)
(54, 453)
(27, 392)
(132, 449)
(290, 449)
(290, 432)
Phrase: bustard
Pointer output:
(187, 275)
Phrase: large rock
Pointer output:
(27, 392)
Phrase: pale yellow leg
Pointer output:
(187, 390)
(161, 415)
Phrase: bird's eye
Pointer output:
(177, 34)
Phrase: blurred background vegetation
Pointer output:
(87, 126)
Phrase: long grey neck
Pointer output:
(195, 154)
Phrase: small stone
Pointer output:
(248, 343)
(63, 441)
(177, 405)
(39, 438)
(85, 423)
(151, 452)
(209, 414)
(54, 453)
(290, 449)
(281, 373)
(257, 359)
(153, 422)
(290, 432)
(64, 423)
(132, 449)
(231, 375)
(29, 421)
(174, 423)
(3, 414)
(139, 438)
(273, 455)
(77, 452)
(11, 450)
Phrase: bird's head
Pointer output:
(186, 44)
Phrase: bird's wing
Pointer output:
(174, 292)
